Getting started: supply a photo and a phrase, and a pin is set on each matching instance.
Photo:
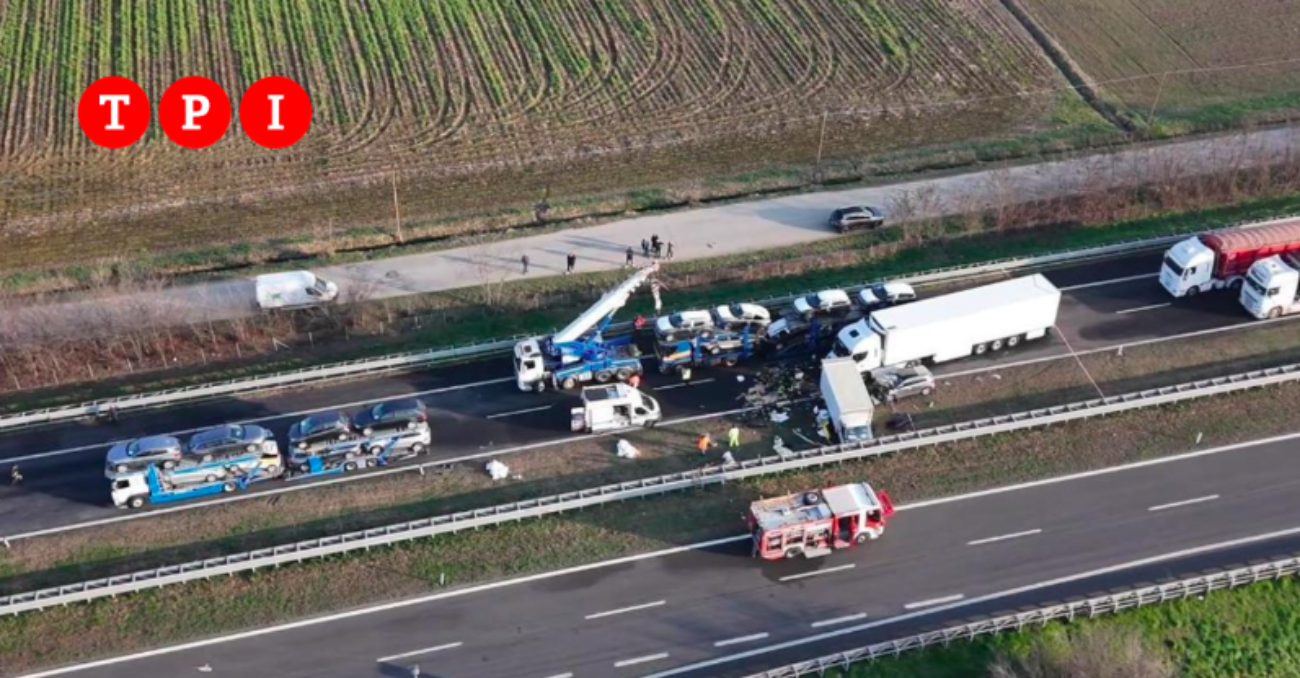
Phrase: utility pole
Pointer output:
(821, 143)
(397, 211)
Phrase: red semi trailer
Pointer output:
(1219, 259)
(812, 524)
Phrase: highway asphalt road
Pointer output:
(477, 410)
(687, 613)
(711, 231)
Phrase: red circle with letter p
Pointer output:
(275, 112)
(113, 112)
(194, 112)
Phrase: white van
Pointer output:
(294, 289)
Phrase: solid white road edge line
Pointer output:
(641, 660)
(511, 414)
(1139, 309)
(1185, 502)
(541, 576)
(1013, 535)
(1196, 550)
(815, 573)
(413, 653)
(839, 620)
(340, 406)
(562, 675)
(1112, 281)
(742, 639)
(933, 601)
(624, 610)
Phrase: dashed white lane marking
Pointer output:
(511, 414)
(1139, 309)
(623, 610)
(1185, 502)
(1113, 281)
(934, 601)
(687, 383)
(427, 650)
(641, 660)
(839, 620)
(742, 639)
(815, 573)
(1004, 537)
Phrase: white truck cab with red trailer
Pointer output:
(1272, 287)
(813, 524)
(1220, 259)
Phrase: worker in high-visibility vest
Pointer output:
(634, 381)
(703, 443)
(733, 437)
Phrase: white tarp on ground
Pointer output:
(627, 451)
(497, 470)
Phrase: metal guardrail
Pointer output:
(568, 501)
(416, 359)
(1092, 607)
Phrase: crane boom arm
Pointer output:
(605, 307)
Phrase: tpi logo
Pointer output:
(194, 112)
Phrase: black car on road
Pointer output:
(857, 218)
(391, 416)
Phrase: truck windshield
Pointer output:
(1255, 286)
(1173, 266)
(321, 285)
(857, 433)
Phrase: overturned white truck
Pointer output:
(957, 325)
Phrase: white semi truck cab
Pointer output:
(1272, 286)
(862, 342)
(1188, 265)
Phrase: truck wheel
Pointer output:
(539, 386)
(714, 350)
(861, 538)
(367, 431)
(1191, 292)
(603, 376)
(791, 553)
(228, 487)
(981, 349)
(135, 502)
(350, 466)
(210, 479)
(569, 383)
(996, 345)
(623, 374)
(272, 471)
(417, 449)
(376, 450)
(1012, 342)
(730, 362)
(1235, 285)
(1275, 313)
(810, 498)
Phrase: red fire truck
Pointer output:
(815, 523)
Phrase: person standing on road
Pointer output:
(15, 476)
(524, 261)
(670, 250)
(627, 261)
(634, 381)
(703, 443)
(659, 250)
(654, 244)
(733, 437)
(645, 248)
(572, 261)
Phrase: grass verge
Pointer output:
(1248, 631)
(169, 615)
(768, 273)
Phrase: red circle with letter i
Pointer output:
(113, 112)
(194, 112)
(275, 112)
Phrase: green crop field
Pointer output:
(463, 106)
(1199, 63)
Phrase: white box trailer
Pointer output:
(847, 401)
(957, 325)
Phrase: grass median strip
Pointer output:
(177, 613)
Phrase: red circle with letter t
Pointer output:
(194, 112)
(113, 112)
(275, 112)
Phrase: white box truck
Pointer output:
(614, 406)
(294, 289)
(970, 322)
(847, 401)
